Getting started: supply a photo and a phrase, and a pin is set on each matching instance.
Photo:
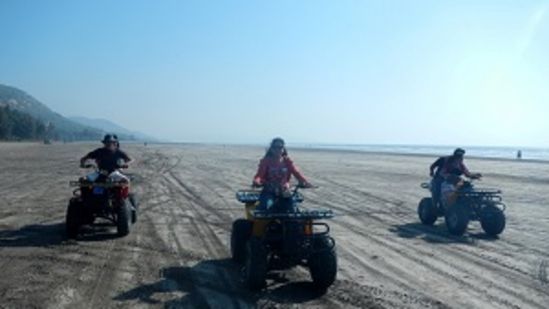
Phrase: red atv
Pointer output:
(101, 195)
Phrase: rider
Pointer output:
(109, 157)
(448, 189)
(444, 167)
(274, 174)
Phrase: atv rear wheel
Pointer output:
(427, 211)
(123, 218)
(492, 220)
(255, 268)
(323, 263)
(457, 219)
(72, 219)
(241, 232)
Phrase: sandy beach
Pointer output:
(178, 253)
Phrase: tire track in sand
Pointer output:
(212, 243)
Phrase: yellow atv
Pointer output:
(467, 203)
(269, 240)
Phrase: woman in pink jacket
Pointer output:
(274, 174)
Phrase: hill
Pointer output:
(62, 128)
(22, 110)
(109, 126)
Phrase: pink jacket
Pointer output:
(278, 173)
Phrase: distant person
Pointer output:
(109, 157)
(274, 174)
(443, 167)
(519, 154)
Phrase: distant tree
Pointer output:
(15, 125)
(4, 124)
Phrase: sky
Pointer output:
(354, 72)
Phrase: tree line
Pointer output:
(15, 125)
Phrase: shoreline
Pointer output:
(298, 148)
(418, 155)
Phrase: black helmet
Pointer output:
(110, 138)
(459, 152)
(277, 140)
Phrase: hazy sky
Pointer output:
(404, 72)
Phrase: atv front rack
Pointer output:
(300, 215)
(248, 196)
(252, 196)
(82, 184)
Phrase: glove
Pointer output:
(306, 185)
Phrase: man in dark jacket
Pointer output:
(110, 157)
(445, 166)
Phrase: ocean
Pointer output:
(528, 153)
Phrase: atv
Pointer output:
(467, 203)
(279, 240)
(101, 195)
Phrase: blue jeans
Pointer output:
(269, 201)
(436, 184)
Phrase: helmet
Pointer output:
(110, 138)
(459, 152)
(278, 140)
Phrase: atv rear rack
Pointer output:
(481, 193)
(486, 191)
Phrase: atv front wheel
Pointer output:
(492, 220)
(323, 263)
(255, 269)
(242, 229)
(457, 219)
(123, 218)
(427, 211)
(135, 205)
(72, 219)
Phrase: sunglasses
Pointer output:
(278, 146)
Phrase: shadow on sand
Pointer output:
(217, 283)
(34, 235)
(436, 234)
(44, 235)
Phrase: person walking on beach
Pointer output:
(274, 173)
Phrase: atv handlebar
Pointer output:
(476, 176)
(94, 166)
